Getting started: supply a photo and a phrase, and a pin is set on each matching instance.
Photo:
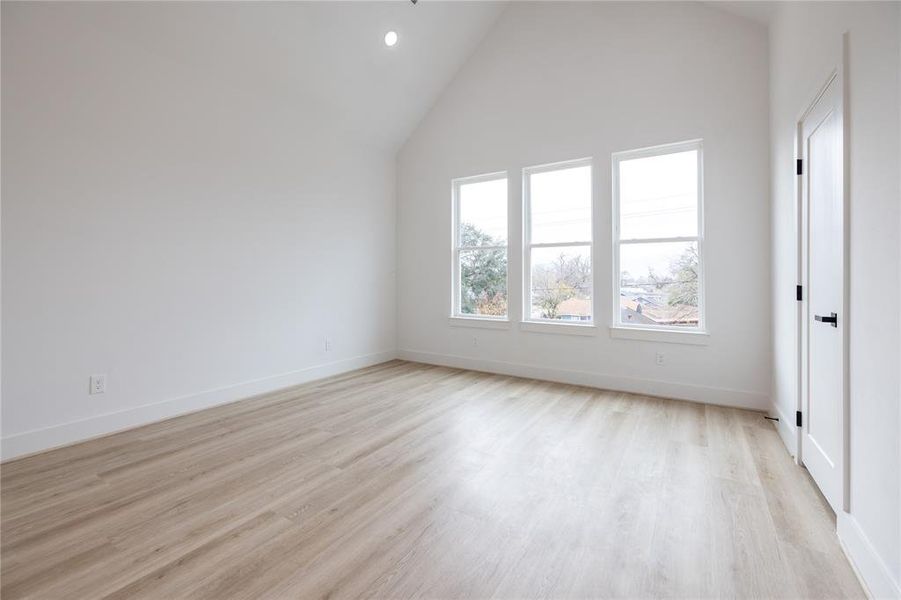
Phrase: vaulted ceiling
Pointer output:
(327, 57)
(761, 11)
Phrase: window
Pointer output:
(658, 237)
(480, 247)
(558, 278)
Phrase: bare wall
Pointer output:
(191, 236)
(558, 81)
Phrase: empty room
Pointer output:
(450, 299)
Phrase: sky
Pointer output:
(657, 199)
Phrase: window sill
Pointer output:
(695, 338)
(564, 328)
(479, 322)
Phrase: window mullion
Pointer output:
(561, 244)
(467, 248)
(664, 240)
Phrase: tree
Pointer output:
(555, 282)
(483, 274)
(470, 235)
(683, 290)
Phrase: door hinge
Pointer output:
(799, 293)
(799, 166)
(798, 418)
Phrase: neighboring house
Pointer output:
(673, 315)
(634, 311)
(574, 309)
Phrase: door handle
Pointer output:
(831, 319)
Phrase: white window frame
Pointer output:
(528, 322)
(456, 316)
(632, 330)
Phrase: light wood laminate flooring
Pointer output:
(406, 480)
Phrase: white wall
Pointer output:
(562, 81)
(192, 237)
(805, 47)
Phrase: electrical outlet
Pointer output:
(98, 384)
(659, 358)
(328, 344)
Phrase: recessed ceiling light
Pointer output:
(390, 38)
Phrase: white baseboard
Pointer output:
(682, 391)
(37, 440)
(872, 571)
(787, 430)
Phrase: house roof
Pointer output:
(575, 306)
(662, 313)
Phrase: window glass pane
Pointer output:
(483, 282)
(483, 213)
(561, 283)
(659, 284)
(658, 196)
(560, 202)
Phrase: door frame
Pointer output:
(837, 77)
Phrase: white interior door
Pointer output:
(822, 194)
